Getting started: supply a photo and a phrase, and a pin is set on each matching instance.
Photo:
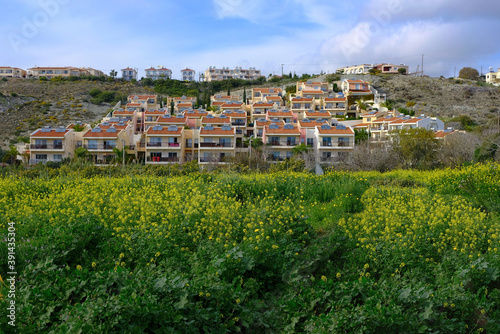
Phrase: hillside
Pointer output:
(26, 105)
(441, 97)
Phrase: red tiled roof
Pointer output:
(318, 114)
(311, 124)
(303, 99)
(335, 99)
(164, 131)
(215, 120)
(280, 113)
(335, 131)
(52, 133)
(282, 130)
(217, 132)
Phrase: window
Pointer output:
(41, 157)
(155, 141)
(40, 143)
(225, 142)
(310, 141)
(57, 157)
(92, 144)
(109, 144)
(290, 141)
(274, 140)
(327, 141)
(58, 144)
(343, 141)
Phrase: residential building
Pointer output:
(493, 77)
(313, 85)
(224, 98)
(158, 73)
(333, 143)
(322, 114)
(151, 117)
(355, 69)
(51, 72)
(280, 139)
(49, 144)
(281, 115)
(335, 105)
(218, 74)
(386, 68)
(216, 144)
(164, 144)
(219, 121)
(145, 102)
(104, 138)
(260, 109)
(260, 94)
(12, 72)
(188, 75)
(167, 120)
(259, 125)
(300, 105)
(129, 74)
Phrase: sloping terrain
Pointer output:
(26, 105)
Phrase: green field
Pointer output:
(400, 252)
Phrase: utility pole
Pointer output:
(282, 70)
(422, 64)
(455, 73)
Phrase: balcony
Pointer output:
(163, 159)
(163, 144)
(214, 159)
(229, 145)
(337, 145)
(283, 143)
(99, 147)
(238, 124)
(46, 146)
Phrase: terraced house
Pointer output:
(48, 144)
(12, 72)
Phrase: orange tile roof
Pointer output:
(383, 120)
(276, 98)
(52, 133)
(263, 123)
(279, 113)
(302, 99)
(232, 105)
(103, 133)
(172, 120)
(315, 91)
(318, 114)
(185, 104)
(358, 80)
(218, 103)
(164, 131)
(267, 90)
(235, 114)
(263, 105)
(282, 130)
(123, 112)
(217, 132)
(133, 104)
(187, 69)
(335, 131)
(311, 124)
(443, 133)
(141, 97)
(335, 99)
(154, 112)
(215, 120)
(195, 114)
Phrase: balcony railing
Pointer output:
(163, 159)
(238, 123)
(283, 143)
(162, 144)
(216, 145)
(334, 144)
(99, 147)
(214, 159)
(46, 146)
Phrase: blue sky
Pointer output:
(307, 36)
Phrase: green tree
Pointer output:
(11, 155)
(402, 70)
(244, 95)
(360, 136)
(113, 74)
(415, 148)
(468, 73)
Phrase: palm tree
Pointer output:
(11, 155)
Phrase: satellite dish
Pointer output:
(160, 66)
